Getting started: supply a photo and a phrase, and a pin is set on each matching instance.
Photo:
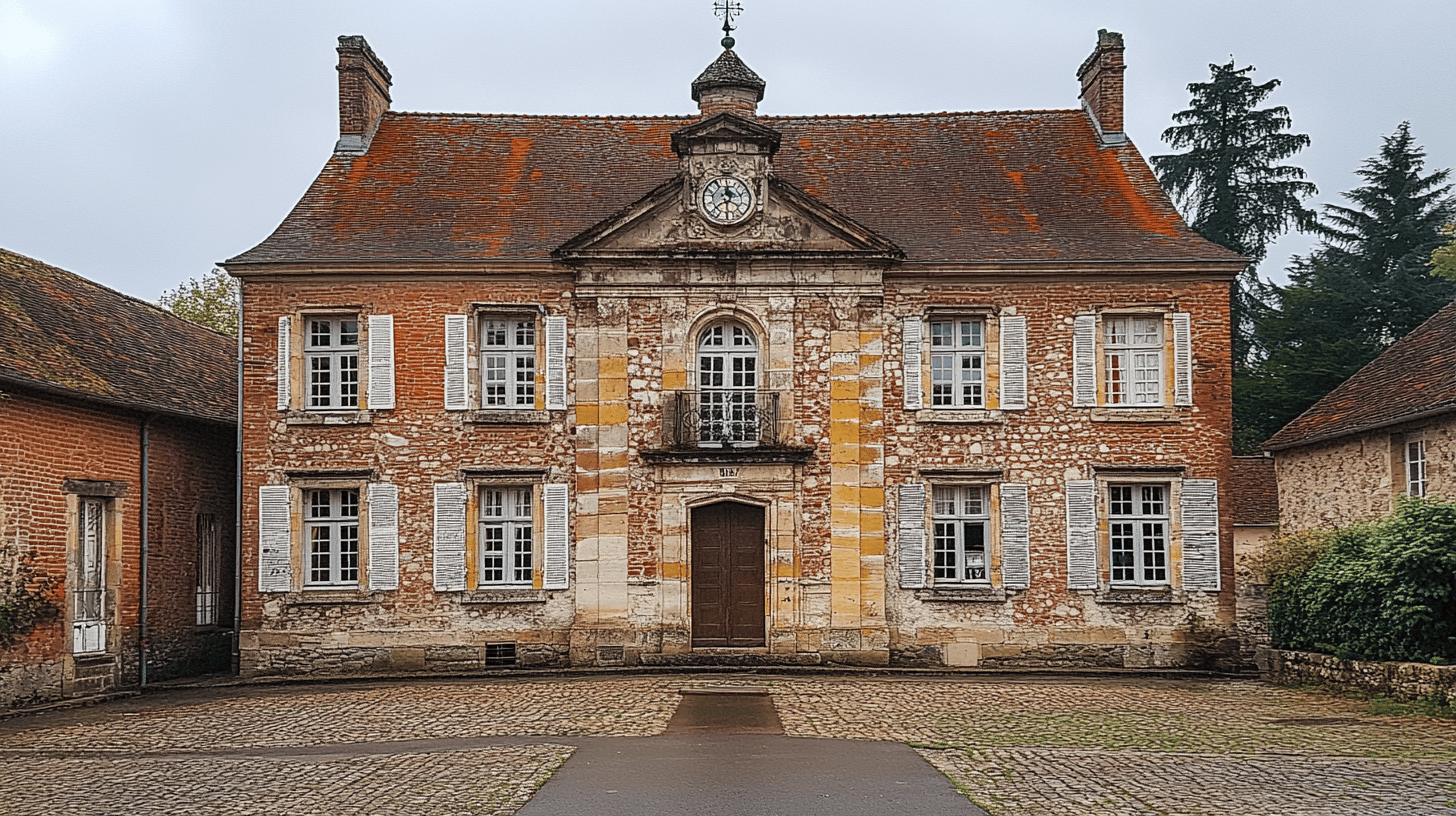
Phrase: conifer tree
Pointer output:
(1230, 183)
(1368, 283)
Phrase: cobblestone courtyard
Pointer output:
(1017, 746)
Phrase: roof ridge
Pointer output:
(776, 117)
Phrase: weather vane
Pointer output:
(727, 9)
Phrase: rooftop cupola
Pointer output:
(728, 85)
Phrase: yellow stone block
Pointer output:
(844, 371)
(586, 413)
(674, 380)
(845, 495)
(844, 515)
(673, 570)
(612, 390)
(843, 341)
(871, 544)
(613, 413)
(844, 390)
(612, 367)
(842, 432)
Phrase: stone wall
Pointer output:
(1251, 593)
(1398, 681)
(1358, 477)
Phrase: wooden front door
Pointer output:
(728, 575)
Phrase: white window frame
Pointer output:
(209, 556)
(343, 546)
(89, 602)
(335, 358)
(506, 515)
(955, 511)
(1133, 360)
(727, 368)
(957, 349)
(515, 358)
(1415, 466)
(1139, 525)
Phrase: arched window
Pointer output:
(727, 385)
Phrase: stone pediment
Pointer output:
(790, 222)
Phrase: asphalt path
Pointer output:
(724, 754)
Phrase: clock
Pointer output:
(726, 200)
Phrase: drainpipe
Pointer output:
(146, 541)
(238, 507)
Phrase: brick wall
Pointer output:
(49, 440)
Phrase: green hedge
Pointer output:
(1379, 591)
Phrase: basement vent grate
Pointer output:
(611, 654)
(500, 654)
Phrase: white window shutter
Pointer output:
(556, 363)
(1081, 535)
(1015, 536)
(285, 335)
(381, 362)
(456, 371)
(558, 537)
(1084, 361)
(449, 537)
(1182, 359)
(910, 346)
(275, 539)
(383, 536)
(912, 536)
(1013, 363)
(1198, 505)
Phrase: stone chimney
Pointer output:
(363, 95)
(1101, 77)
(728, 85)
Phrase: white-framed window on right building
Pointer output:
(331, 530)
(960, 534)
(508, 362)
(1415, 466)
(958, 363)
(505, 362)
(331, 360)
(1137, 532)
(507, 522)
(1132, 360)
(968, 362)
(978, 534)
(334, 362)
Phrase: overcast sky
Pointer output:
(143, 140)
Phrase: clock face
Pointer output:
(726, 200)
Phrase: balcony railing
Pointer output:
(720, 418)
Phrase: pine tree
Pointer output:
(1367, 284)
(1230, 184)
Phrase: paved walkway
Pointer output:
(1023, 746)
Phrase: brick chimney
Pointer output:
(1101, 78)
(363, 95)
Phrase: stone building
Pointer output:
(118, 437)
(915, 389)
(1388, 431)
(1254, 506)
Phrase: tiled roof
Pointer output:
(945, 187)
(1415, 377)
(1254, 492)
(728, 71)
(61, 332)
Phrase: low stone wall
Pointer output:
(1398, 681)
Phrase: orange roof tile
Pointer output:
(947, 187)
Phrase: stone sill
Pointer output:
(328, 597)
(1152, 595)
(728, 456)
(940, 416)
(504, 596)
(94, 659)
(296, 418)
(1161, 413)
(490, 416)
(962, 595)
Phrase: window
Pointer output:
(507, 536)
(727, 385)
(1133, 360)
(331, 352)
(88, 619)
(957, 364)
(1415, 467)
(331, 528)
(1138, 534)
(961, 518)
(508, 362)
(209, 553)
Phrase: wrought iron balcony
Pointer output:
(720, 418)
